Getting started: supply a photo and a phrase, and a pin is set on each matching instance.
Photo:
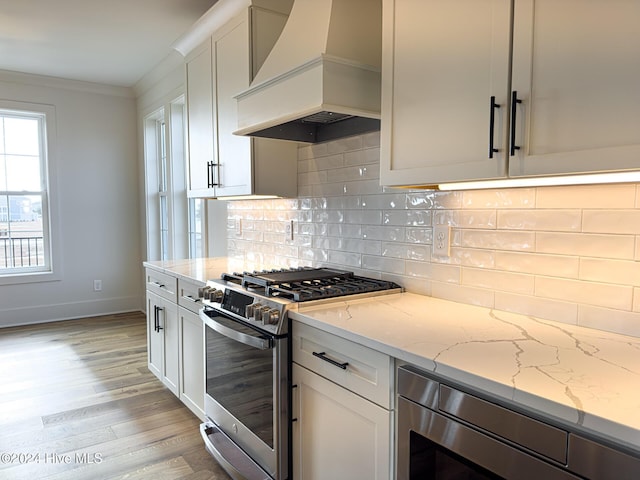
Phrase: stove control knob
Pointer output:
(215, 295)
(203, 292)
(270, 317)
(259, 312)
(249, 310)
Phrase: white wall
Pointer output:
(570, 254)
(97, 201)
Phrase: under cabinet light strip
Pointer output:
(618, 177)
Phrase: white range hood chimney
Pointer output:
(321, 80)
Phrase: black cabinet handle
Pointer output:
(211, 179)
(323, 356)
(514, 103)
(155, 318)
(160, 309)
(492, 121)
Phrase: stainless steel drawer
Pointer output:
(525, 431)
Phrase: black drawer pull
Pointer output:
(324, 357)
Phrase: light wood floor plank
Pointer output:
(81, 390)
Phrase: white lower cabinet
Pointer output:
(175, 337)
(339, 429)
(191, 361)
(162, 336)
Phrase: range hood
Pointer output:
(321, 80)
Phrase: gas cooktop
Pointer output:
(263, 298)
(305, 284)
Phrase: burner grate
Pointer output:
(305, 283)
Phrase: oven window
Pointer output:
(240, 379)
(431, 461)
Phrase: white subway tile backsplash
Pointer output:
(623, 272)
(383, 233)
(486, 219)
(587, 196)
(419, 235)
(539, 264)
(362, 157)
(445, 273)
(406, 217)
(501, 198)
(569, 254)
(498, 239)
(541, 220)
(383, 264)
(612, 221)
(557, 310)
(617, 321)
(589, 293)
(463, 294)
(497, 280)
(584, 244)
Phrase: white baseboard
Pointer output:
(32, 314)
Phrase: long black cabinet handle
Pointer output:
(211, 178)
(323, 356)
(155, 318)
(156, 314)
(514, 104)
(492, 121)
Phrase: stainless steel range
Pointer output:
(248, 366)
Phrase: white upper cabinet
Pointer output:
(576, 69)
(222, 164)
(573, 72)
(443, 61)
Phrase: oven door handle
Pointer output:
(250, 340)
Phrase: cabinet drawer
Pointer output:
(188, 295)
(360, 369)
(162, 284)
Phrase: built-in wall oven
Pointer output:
(448, 432)
(247, 362)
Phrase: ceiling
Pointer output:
(113, 42)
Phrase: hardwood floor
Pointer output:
(77, 401)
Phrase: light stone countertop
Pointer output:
(583, 377)
(199, 269)
(579, 376)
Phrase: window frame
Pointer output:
(52, 271)
(178, 245)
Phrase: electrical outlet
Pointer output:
(97, 285)
(442, 240)
(238, 227)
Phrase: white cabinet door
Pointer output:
(443, 61)
(191, 361)
(200, 121)
(155, 339)
(577, 73)
(337, 434)
(169, 326)
(162, 340)
(232, 62)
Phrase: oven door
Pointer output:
(246, 398)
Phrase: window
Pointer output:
(174, 223)
(25, 240)
(196, 227)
